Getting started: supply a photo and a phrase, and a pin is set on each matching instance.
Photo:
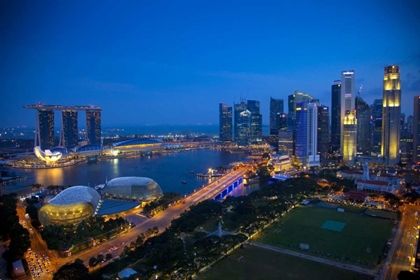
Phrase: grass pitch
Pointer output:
(257, 263)
(362, 238)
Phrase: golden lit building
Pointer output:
(70, 206)
(349, 148)
(391, 113)
(348, 121)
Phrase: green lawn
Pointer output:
(303, 225)
(257, 263)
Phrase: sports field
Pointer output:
(256, 263)
(361, 239)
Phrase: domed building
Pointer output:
(134, 188)
(70, 206)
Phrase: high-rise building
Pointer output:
(294, 98)
(253, 107)
(323, 132)
(69, 129)
(409, 124)
(377, 109)
(376, 127)
(416, 130)
(285, 142)
(391, 114)
(242, 123)
(276, 108)
(281, 121)
(335, 115)
(307, 134)
(237, 108)
(406, 148)
(93, 126)
(225, 122)
(45, 123)
(363, 115)
(348, 128)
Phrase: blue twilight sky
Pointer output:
(160, 62)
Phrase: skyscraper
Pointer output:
(335, 115)
(416, 130)
(323, 132)
(293, 99)
(307, 133)
(69, 128)
(93, 126)
(376, 126)
(391, 114)
(256, 120)
(276, 108)
(225, 122)
(363, 115)
(45, 123)
(348, 118)
(242, 123)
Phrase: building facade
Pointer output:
(323, 133)
(348, 118)
(69, 129)
(276, 108)
(391, 113)
(253, 107)
(93, 126)
(225, 122)
(416, 130)
(363, 115)
(335, 116)
(45, 125)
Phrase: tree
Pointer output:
(73, 271)
(20, 241)
(407, 275)
(92, 262)
(108, 257)
(79, 261)
(100, 258)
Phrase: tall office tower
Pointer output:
(307, 133)
(402, 123)
(225, 122)
(69, 129)
(244, 128)
(323, 133)
(281, 122)
(335, 115)
(377, 109)
(93, 126)
(256, 120)
(363, 115)
(276, 108)
(45, 125)
(294, 98)
(348, 141)
(376, 127)
(238, 109)
(406, 148)
(391, 113)
(409, 124)
(416, 130)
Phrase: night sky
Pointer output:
(172, 62)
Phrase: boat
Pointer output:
(192, 172)
(184, 182)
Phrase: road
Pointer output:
(404, 244)
(162, 220)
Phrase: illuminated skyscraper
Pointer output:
(416, 130)
(45, 123)
(363, 115)
(391, 114)
(348, 118)
(256, 120)
(93, 126)
(242, 123)
(335, 115)
(225, 122)
(323, 132)
(276, 108)
(293, 99)
(307, 133)
(376, 126)
(69, 129)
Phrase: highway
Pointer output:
(404, 244)
(162, 220)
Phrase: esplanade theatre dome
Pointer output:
(137, 188)
(70, 206)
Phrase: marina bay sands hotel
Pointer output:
(44, 127)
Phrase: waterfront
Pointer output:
(169, 171)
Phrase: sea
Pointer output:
(176, 172)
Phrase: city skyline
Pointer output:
(164, 63)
